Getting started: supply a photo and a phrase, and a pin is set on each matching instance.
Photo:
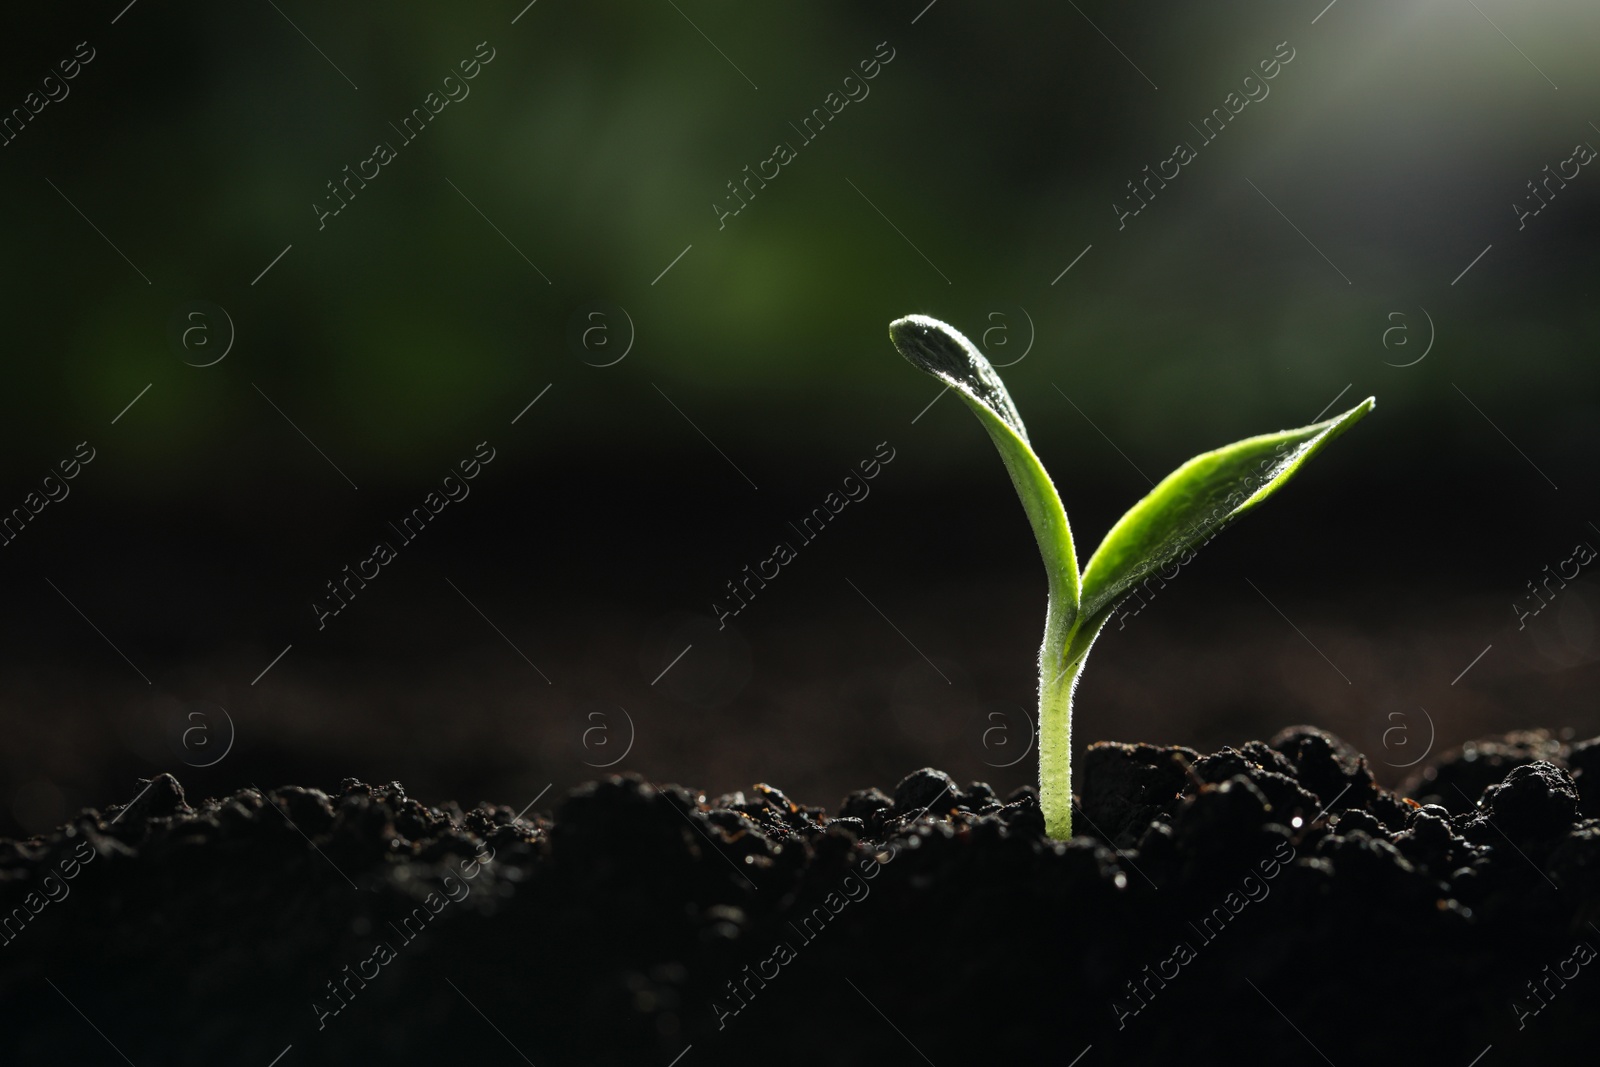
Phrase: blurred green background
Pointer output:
(1312, 253)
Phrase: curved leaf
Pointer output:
(1194, 502)
(941, 350)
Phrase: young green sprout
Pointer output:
(1161, 531)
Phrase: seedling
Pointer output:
(1161, 531)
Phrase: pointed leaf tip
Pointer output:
(1193, 503)
(941, 350)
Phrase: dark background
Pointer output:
(1252, 293)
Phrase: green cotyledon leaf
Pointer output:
(943, 352)
(1196, 501)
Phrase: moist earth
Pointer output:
(1269, 902)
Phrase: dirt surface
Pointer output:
(1269, 903)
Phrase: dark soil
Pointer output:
(1266, 904)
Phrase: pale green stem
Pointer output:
(1056, 680)
(1055, 753)
(1061, 660)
